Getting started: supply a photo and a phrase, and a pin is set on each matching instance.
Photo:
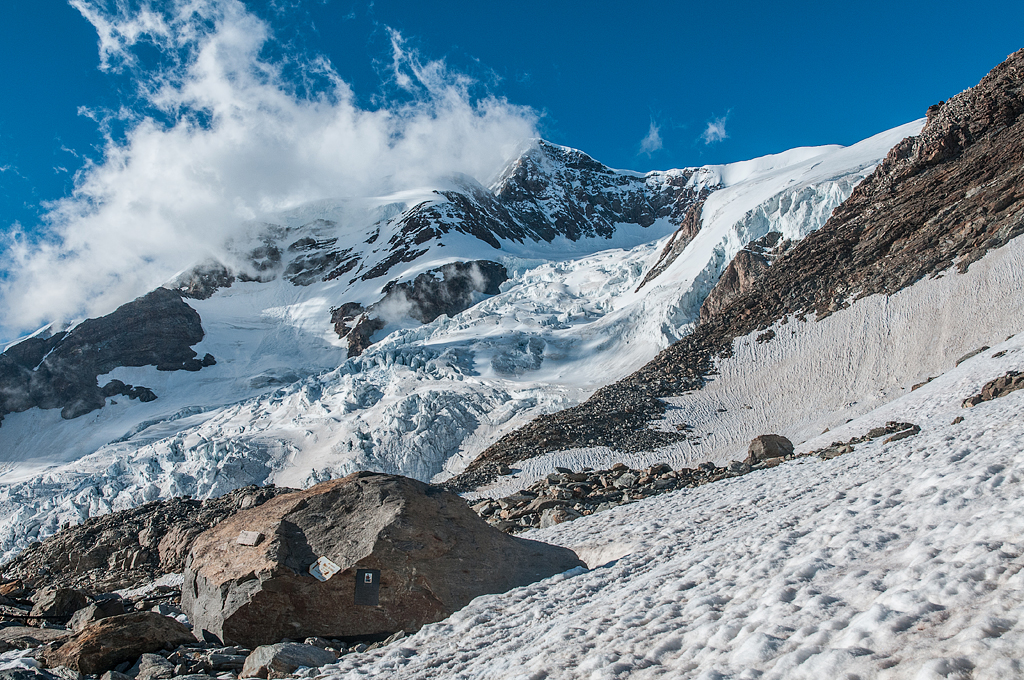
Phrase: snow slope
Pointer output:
(283, 405)
(900, 560)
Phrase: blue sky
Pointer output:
(780, 74)
(123, 158)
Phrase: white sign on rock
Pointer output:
(323, 569)
(249, 537)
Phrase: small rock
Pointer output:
(278, 661)
(154, 667)
(553, 516)
(626, 480)
(769, 446)
(317, 642)
(62, 602)
(958, 420)
(114, 675)
(95, 612)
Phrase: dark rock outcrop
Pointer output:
(202, 281)
(127, 548)
(938, 200)
(157, 329)
(994, 389)
(431, 552)
(448, 289)
(681, 238)
(742, 274)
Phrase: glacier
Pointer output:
(285, 405)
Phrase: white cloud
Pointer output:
(715, 131)
(652, 142)
(226, 139)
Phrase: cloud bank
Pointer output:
(222, 135)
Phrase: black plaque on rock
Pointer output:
(368, 587)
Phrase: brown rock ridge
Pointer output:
(128, 548)
(430, 552)
(743, 273)
(943, 198)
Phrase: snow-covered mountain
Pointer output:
(314, 358)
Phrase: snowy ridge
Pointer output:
(283, 404)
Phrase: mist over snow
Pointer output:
(221, 134)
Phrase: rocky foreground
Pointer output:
(274, 580)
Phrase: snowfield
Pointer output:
(899, 560)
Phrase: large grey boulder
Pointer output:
(432, 555)
(768, 446)
(282, 659)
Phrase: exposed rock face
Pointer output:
(943, 198)
(680, 239)
(103, 645)
(433, 554)
(124, 549)
(743, 272)
(202, 281)
(95, 612)
(994, 389)
(157, 329)
(769, 446)
(449, 290)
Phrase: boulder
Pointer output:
(94, 612)
(27, 637)
(103, 645)
(153, 667)
(768, 446)
(57, 602)
(283, 658)
(432, 554)
(26, 674)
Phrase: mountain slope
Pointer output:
(285, 403)
(943, 198)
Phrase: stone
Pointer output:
(25, 674)
(626, 480)
(114, 675)
(249, 537)
(433, 552)
(26, 637)
(553, 516)
(281, 659)
(15, 588)
(769, 446)
(57, 602)
(154, 667)
(102, 645)
(94, 612)
(64, 673)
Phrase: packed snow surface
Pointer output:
(898, 560)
